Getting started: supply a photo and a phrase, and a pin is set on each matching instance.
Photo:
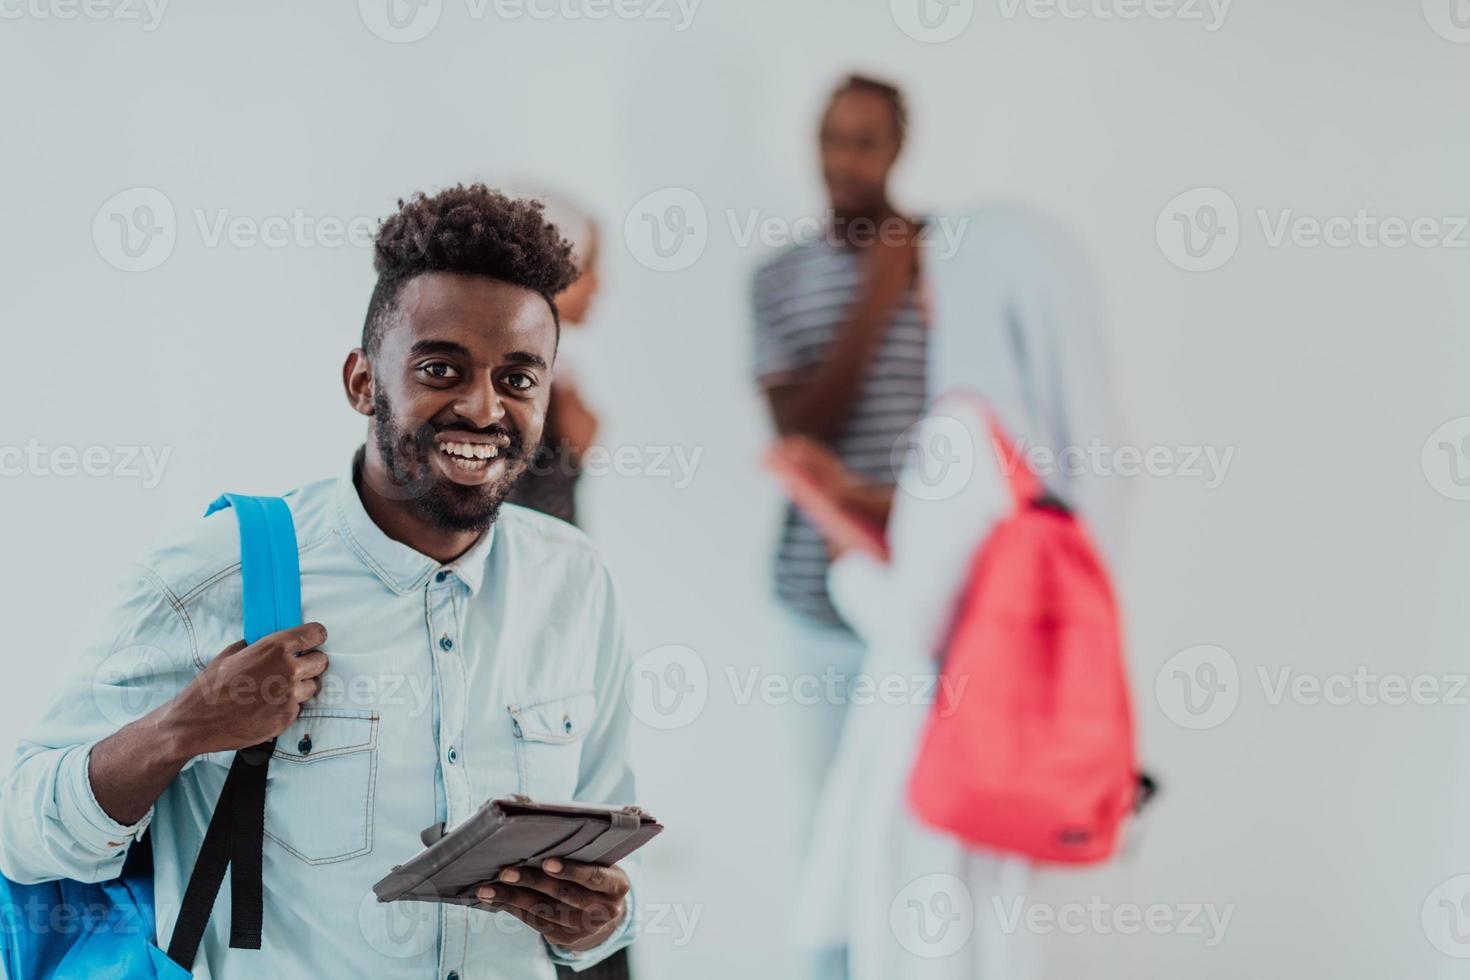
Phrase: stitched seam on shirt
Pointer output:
(367, 815)
(518, 708)
(178, 608)
(234, 568)
(346, 530)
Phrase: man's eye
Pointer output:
(442, 370)
(520, 381)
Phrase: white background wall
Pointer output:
(1326, 549)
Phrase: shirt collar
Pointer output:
(401, 568)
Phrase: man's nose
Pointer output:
(480, 404)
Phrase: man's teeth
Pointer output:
(468, 450)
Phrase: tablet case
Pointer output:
(512, 832)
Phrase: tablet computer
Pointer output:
(513, 832)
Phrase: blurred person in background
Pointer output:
(1016, 323)
(840, 355)
(550, 483)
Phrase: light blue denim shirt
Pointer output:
(448, 685)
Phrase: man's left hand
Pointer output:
(573, 905)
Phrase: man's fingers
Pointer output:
(552, 932)
(299, 639)
(306, 689)
(528, 900)
(568, 892)
(609, 881)
(563, 924)
(310, 664)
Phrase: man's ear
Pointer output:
(357, 381)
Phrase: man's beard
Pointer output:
(438, 501)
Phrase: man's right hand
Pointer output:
(250, 694)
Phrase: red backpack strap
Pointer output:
(1025, 487)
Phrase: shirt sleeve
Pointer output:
(51, 825)
(607, 769)
(774, 355)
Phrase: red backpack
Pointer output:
(1029, 747)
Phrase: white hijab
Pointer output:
(1017, 319)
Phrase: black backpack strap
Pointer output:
(247, 837)
(1148, 788)
(271, 593)
(236, 834)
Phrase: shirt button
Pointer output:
(453, 975)
(441, 576)
(304, 746)
(453, 755)
(445, 643)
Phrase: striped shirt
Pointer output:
(802, 298)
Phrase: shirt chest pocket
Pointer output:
(549, 736)
(320, 787)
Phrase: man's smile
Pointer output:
(472, 459)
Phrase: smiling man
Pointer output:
(454, 651)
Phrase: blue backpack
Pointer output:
(75, 930)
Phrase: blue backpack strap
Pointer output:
(268, 563)
(271, 581)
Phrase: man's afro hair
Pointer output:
(473, 230)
